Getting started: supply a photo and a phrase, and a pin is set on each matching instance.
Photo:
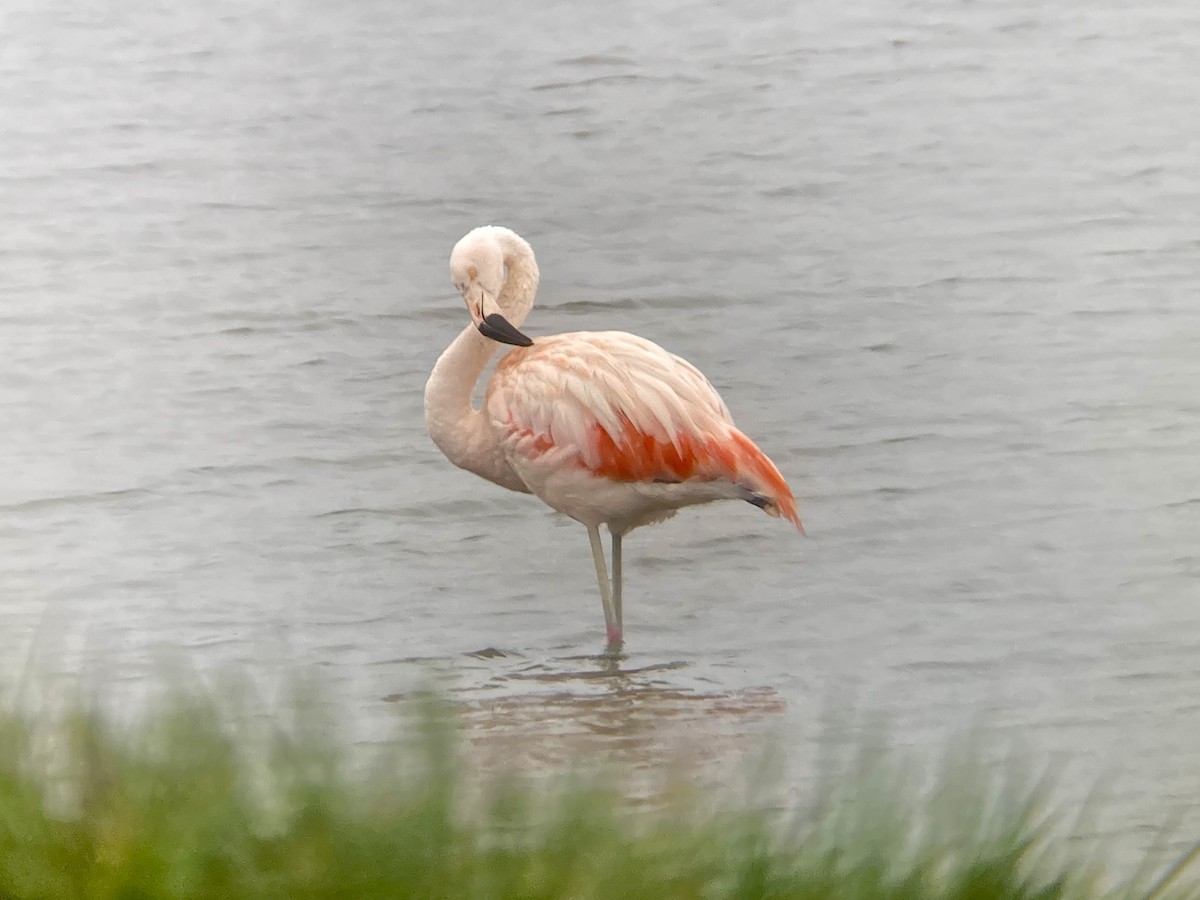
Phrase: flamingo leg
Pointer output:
(616, 579)
(611, 621)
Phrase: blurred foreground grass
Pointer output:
(199, 799)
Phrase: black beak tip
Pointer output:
(500, 329)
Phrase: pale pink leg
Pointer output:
(611, 621)
(616, 580)
(615, 640)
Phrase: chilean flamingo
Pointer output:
(604, 426)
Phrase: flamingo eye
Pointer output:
(473, 273)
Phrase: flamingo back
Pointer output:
(626, 411)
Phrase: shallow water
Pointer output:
(939, 258)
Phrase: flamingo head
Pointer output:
(477, 269)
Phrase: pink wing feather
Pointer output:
(625, 409)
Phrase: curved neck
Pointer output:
(454, 424)
(521, 282)
(460, 431)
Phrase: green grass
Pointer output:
(201, 799)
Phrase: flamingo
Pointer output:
(604, 426)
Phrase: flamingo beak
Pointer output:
(498, 328)
(493, 326)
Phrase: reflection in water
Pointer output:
(559, 713)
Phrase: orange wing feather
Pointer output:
(633, 455)
(625, 409)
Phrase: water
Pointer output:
(940, 258)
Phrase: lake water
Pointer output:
(942, 260)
